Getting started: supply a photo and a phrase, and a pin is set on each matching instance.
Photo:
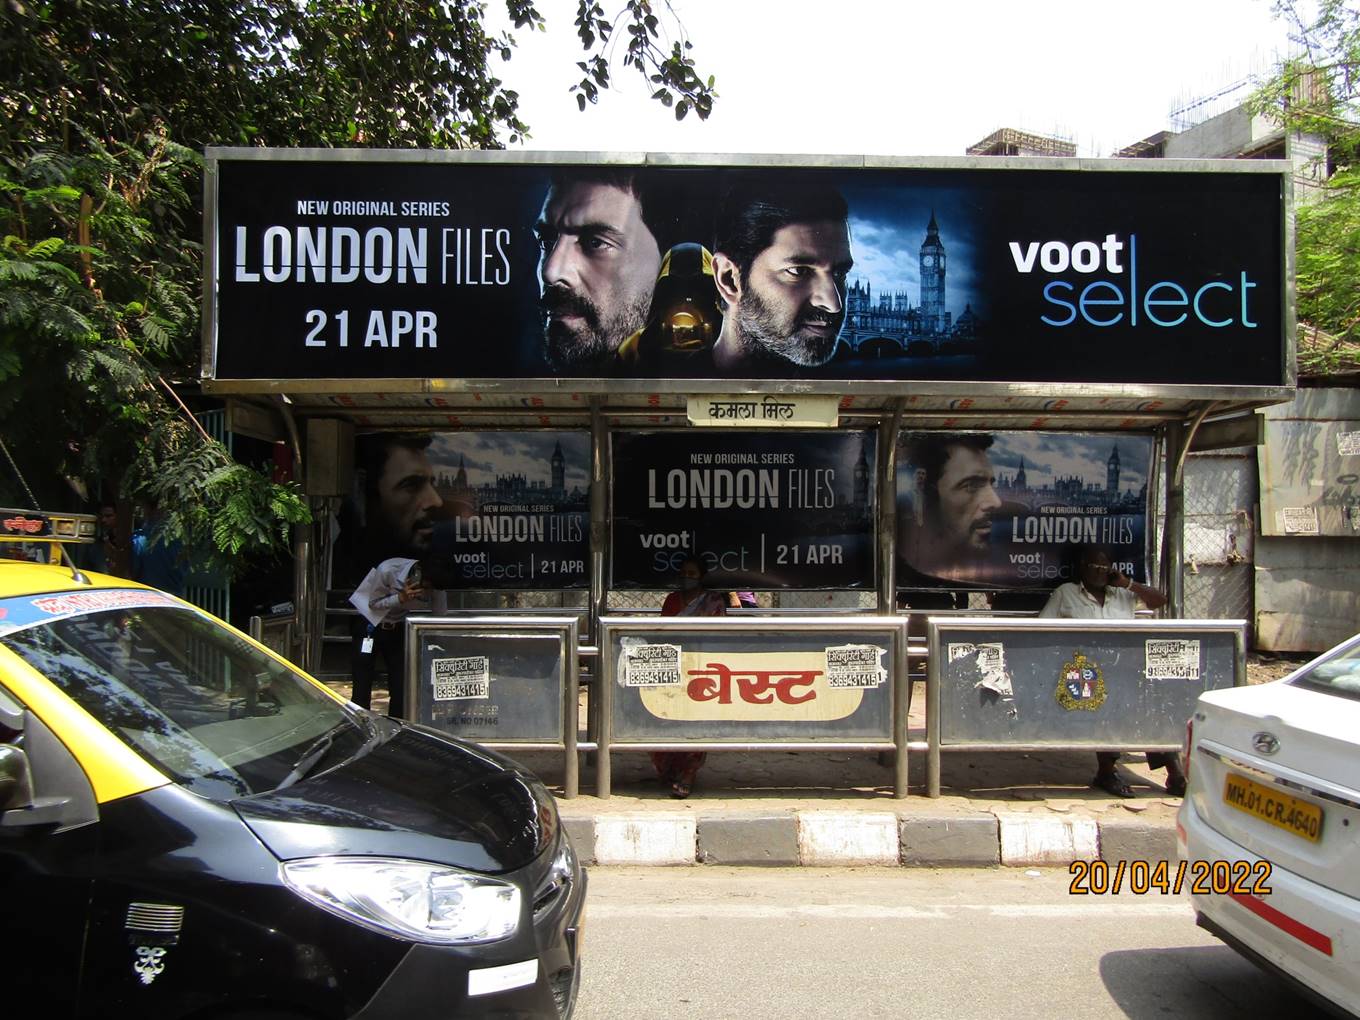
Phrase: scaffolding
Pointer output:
(1010, 142)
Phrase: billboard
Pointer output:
(762, 510)
(482, 510)
(368, 265)
(1010, 510)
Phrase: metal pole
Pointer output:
(933, 711)
(302, 590)
(571, 775)
(1173, 537)
(886, 526)
(887, 512)
(599, 515)
(901, 701)
(600, 467)
(604, 686)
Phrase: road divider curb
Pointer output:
(1029, 839)
(646, 839)
(835, 838)
(863, 838)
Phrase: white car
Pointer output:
(1269, 831)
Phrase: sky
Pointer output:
(897, 77)
(1048, 456)
(488, 454)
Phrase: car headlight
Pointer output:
(410, 899)
(564, 861)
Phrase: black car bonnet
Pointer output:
(419, 795)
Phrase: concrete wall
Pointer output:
(1228, 134)
(1308, 585)
(1306, 593)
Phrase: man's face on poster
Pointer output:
(792, 303)
(598, 266)
(966, 501)
(406, 498)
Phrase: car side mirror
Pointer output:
(16, 779)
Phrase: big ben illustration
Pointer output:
(932, 279)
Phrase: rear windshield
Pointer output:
(1337, 674)
(200, 703)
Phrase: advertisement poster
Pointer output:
(797, 685)
(762, 510)
(379, 267)
(479, 510)
(1010, 510)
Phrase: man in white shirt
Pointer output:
(1104, 593)
(389, 593)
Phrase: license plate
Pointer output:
(1297, 817)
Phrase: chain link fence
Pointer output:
(1220, 501)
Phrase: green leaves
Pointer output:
(680, 87)
(105, 106)
(1318, 94)
(99, 296)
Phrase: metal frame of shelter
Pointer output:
(940, 629)
(557, 630)
(1182, 417)
(893, 735)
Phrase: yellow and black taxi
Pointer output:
(192, 827)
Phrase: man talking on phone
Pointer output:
(1104, 593)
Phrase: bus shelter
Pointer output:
(591, 367)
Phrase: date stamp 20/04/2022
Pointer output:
(1199, 878)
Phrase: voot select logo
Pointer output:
(1121, 296)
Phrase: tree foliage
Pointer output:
(105, 106)
(1318, 92)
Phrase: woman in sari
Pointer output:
(678, 768)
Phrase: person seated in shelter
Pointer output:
(1102, 592)
(679, 768)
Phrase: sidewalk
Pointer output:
(783, 808)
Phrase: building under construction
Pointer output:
(1010, 142)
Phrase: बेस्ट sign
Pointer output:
(726, 682)
(476, 266)
(812, 686)
(762, 510)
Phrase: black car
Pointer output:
(191, 827)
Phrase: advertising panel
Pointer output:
(1117, 684)
(761, 509)
(373, 266)
(482, 510)
(489, 685)
(1012, 509)
(777, 685)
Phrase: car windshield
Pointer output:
(1337, 674)
(203, 705)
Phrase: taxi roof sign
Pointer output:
(36, 526)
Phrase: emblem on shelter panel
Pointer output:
(1081, 687)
